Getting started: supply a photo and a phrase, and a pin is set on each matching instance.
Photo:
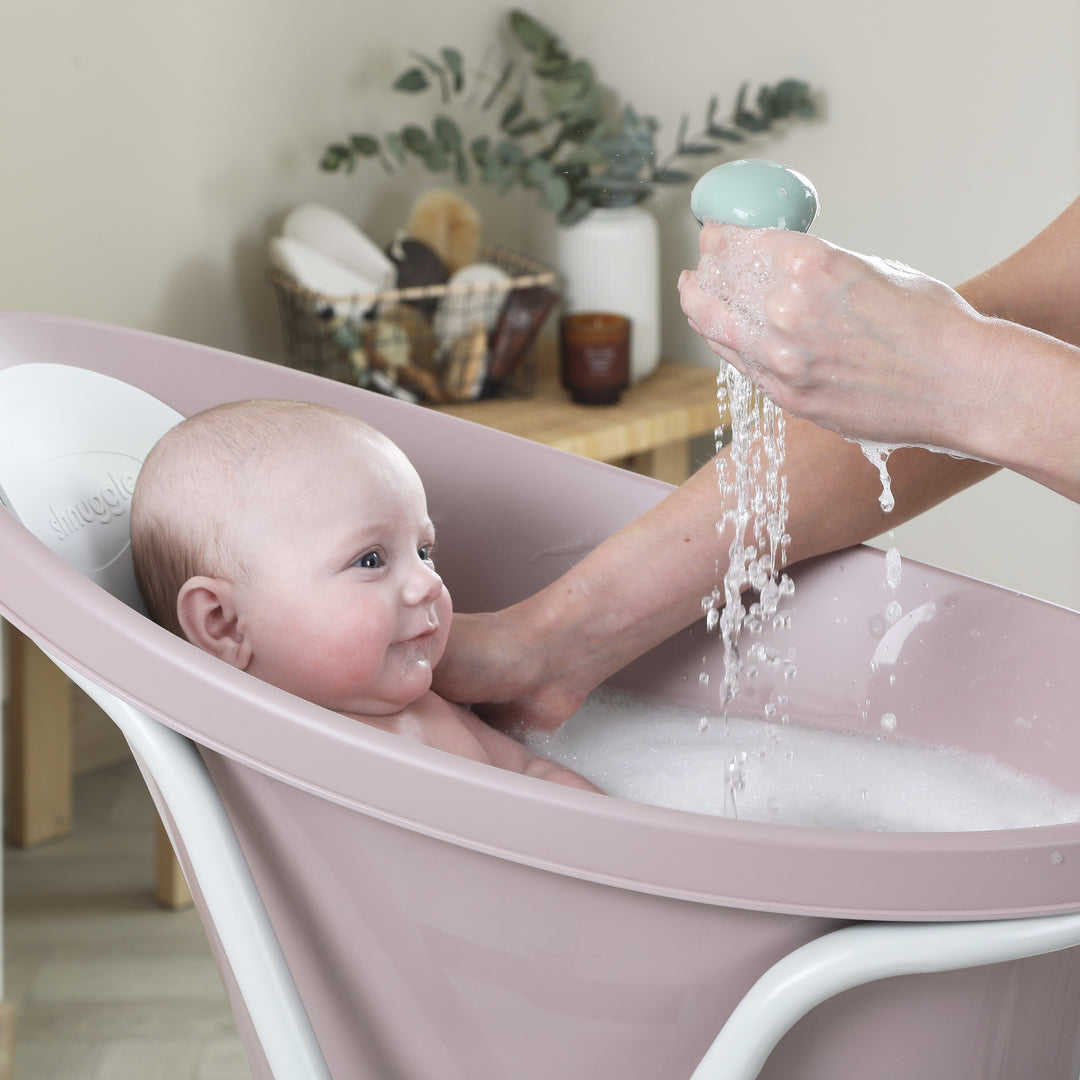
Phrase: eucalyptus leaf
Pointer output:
(537, 171)
(715, 131)
(500, 174)
(436, 158)
(500, 83)
(365, 145)
(748, 121)
(550, 67)
(412, 81)
(480, 148)
(455, 64)
(586, 109)
(530, 34)
(767, 103)
(509, 152)
(447, 134)
(556, 193)
(575, 210)
(793, 95)
(334, 157)
(564, 93)
(527, 127)
(395, 146)
(511, 112)
(415, 139)
(680, 138)
(580, 71)
(585, 154)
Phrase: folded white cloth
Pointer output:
(335, 236)
(325, 276)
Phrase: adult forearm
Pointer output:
(1036, 286)
(661, 565)
(1039, 372)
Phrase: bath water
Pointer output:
(754, 525)
(754, 491)
(752, 488)
(754, 770)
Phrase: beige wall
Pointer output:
(150, 149)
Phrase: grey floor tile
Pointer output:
(108, 986)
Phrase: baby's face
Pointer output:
(345, 608)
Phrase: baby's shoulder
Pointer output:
(437, 722)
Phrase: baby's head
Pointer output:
(293, 541)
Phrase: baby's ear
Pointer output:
(208, 614)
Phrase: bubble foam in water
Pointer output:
(660, 753)
(738, 278)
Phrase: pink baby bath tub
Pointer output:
(444, 920)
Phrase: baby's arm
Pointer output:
(508, 753)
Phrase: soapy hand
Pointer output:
(855, 344)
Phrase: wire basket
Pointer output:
(430, 343)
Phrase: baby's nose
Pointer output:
(423, 584)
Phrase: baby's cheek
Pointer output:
(347, 661)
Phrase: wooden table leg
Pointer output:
(670, 462)
(38, 763)
(37, 758)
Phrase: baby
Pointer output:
(293, 542)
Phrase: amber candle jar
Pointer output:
(594, 356)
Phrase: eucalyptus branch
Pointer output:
(554, 132)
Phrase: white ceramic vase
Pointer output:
(610, 261)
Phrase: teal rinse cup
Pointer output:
(756, 193)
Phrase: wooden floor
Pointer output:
(106, 985)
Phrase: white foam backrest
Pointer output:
(72, 442)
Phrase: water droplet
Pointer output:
(892, 567)
(888, 721)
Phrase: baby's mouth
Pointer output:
(424, 635)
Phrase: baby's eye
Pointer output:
(426, 552)
(370, 561)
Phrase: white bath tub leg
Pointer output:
(228, 889)
(860, 954)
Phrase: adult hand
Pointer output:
(868, 348)
(495, 662)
